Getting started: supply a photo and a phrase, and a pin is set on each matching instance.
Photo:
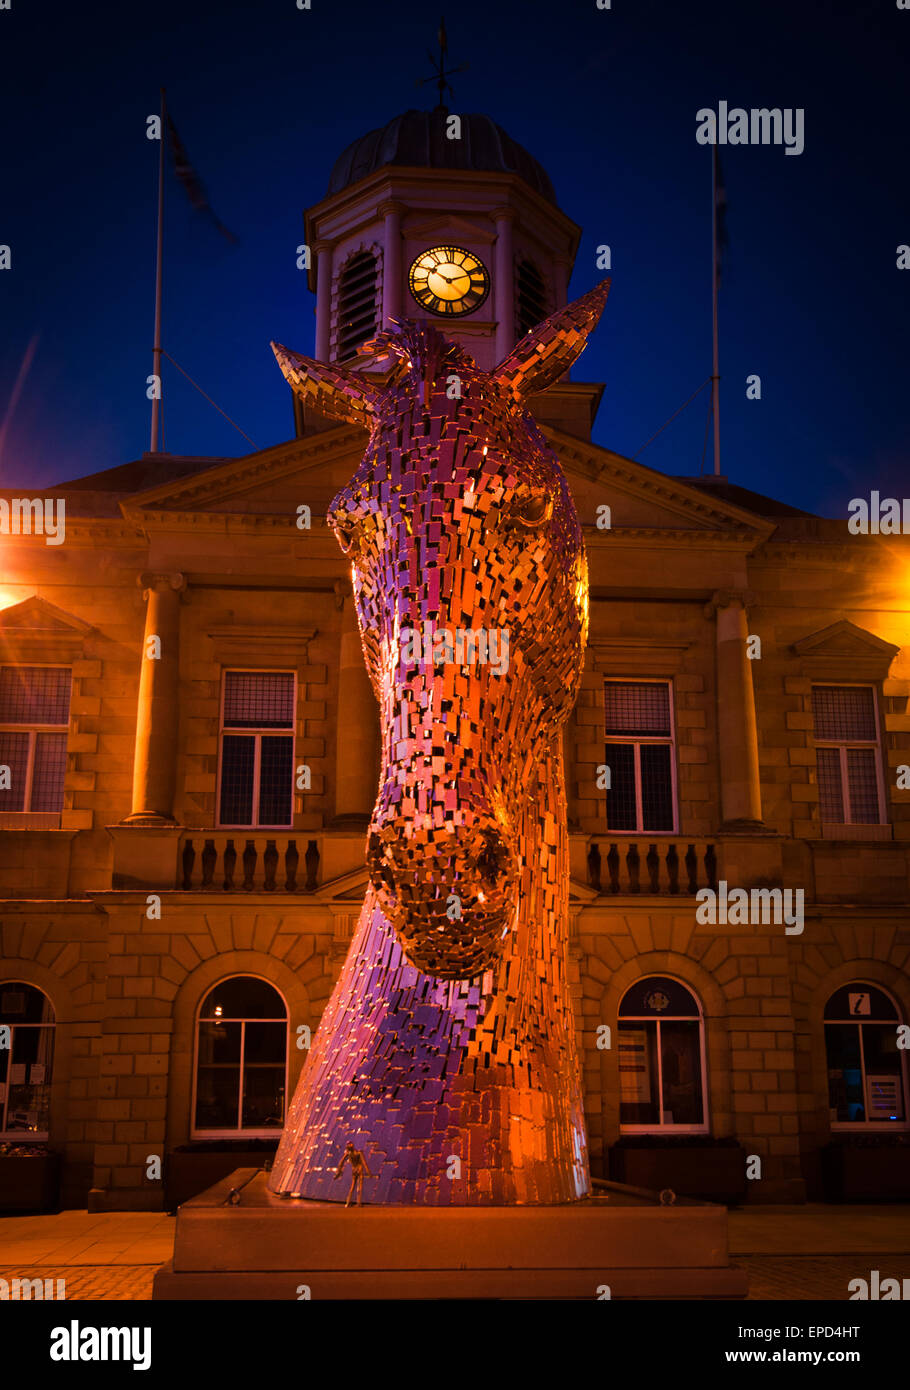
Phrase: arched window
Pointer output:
(241, 1060)
(867, 1071)
(25, 1065)
(357, 296)
(661, 1058)
(530, 297)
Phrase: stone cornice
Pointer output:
(684, 538)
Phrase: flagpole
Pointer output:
(156, 350)
(715, 371)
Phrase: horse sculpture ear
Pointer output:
(548, 351)
(331, 390)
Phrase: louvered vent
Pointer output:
(531, 297)
(356, 303)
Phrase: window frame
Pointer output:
(842, 748)
(867, 1126)
(637, 740)
(33, 730)
(660, 1128)
(26, 1136)
(257, 735)
(239, 1133)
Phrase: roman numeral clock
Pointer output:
(448, 280)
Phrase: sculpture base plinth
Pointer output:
(267, 1247)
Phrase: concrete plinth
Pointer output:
(267, 1247)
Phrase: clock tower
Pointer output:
(443, 218)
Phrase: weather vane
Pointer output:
(441, 74)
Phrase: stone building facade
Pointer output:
(193, 745)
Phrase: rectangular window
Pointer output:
(34, 717)
(850, 787)
(639, 753)
(257, 764)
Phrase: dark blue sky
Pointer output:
(265, 96)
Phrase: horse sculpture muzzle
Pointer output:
(450, 892)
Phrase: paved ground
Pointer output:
(789, 1252)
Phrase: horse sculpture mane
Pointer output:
(446, 1054)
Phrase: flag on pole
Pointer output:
(720, 214)
(192, 183)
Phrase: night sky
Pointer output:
(265, 96)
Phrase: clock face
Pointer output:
(448, 280)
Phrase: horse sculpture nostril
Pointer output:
(491, 861)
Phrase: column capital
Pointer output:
(160, 582)
(729, 598)
(504, 214)
(391, 205)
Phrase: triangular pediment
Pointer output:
(843, 649)
(36, 615)
(273, 483)
(35, 630)
(644, 502)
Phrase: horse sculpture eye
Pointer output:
(345, 529)
(531, 509)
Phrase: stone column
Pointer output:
(737, 731)
(323, 300)
(391, 261)
(157, 718)
(504, 284)
(357, 730)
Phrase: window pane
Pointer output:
(884, 1082)
(638, 1073)
(49, 772)
(29, 1076)
(14, 755)
(263, 1097)
(830, 790)
(620, 759)
(633, 707)
(243, 996)
(680, 1056)
(265, 1042)
(863, 785)
(656, 787)
(276, 781)
(34, 694)
(845, 1080)
(844, 713)
(218, 1076)
(259, 699)
(237, 762)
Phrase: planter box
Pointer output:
(29, 1183)
(190, 1170)
(709, 1172)
(860, 1174)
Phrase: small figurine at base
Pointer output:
(359, 1167)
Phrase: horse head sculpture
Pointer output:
(449, 1032)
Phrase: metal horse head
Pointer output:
(470, 582)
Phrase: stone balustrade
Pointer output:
(238, 862)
